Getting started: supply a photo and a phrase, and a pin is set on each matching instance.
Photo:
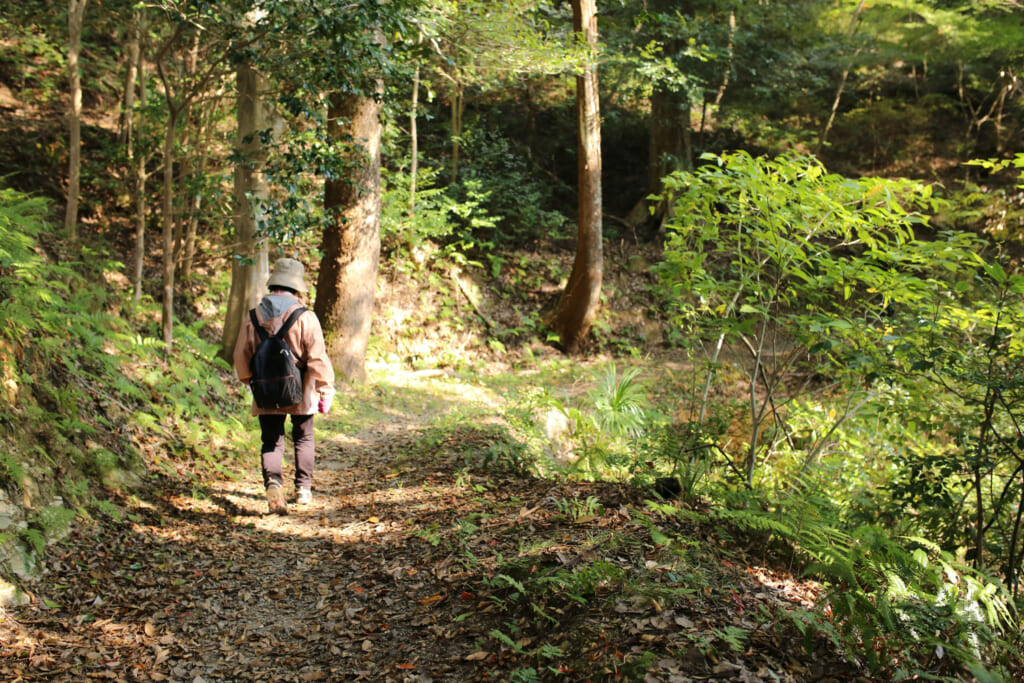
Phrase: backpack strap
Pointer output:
(290, 321)
(260, 332)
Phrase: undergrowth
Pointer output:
(898, 606)
(89, 402)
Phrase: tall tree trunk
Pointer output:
(414, 145)
(204, 125)
(192, 120)
(346, 284)
(167, 212)
(823, 136)
(458, 108)
(730, 51)
(250, 263)
(76, 17)
(124, 135)
(670, 148)
(141, 174)
(188, 250)
(578, 304)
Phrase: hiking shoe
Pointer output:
(304, 497)
(275, 500)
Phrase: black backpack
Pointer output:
(276, 380)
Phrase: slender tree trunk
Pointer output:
(1012, 562)
(578, 304)
(192, 119)
(347, 281)
(168, 226)
(458, 106)
(728, 64)
(250, 263)
(124, 136)
(670, 148)
(199, 167)
(141, 174)
(141, 177)
(414, 144)
(188, 251)
(76, 17)
(842, 84)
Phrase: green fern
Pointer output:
(35, 539)
(618, 403)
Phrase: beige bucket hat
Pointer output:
(288, 273)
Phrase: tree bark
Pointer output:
(76, 17)
(124, 136)
(204, 126)
(167, 211)
(577, 307)
(141, 174)
(458, 108)
(414, 144)
(346, 284)
(187, 166)
(250, 266)
(670, 148)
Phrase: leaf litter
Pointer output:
(409, 565)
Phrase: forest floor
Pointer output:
(414, 562)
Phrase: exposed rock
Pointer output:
(558, 430)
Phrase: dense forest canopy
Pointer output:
(819, 202)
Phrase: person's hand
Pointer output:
(326, 397)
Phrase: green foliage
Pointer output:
(564, 585)
(55, 520)
(911, 604)
(576, 509)
(12, 469)
(30, 61)
(295, 40)
(35, 539)
(437, 218)
(606, 423)
(993, 208)
(295, 166)
(887, 134)
(796, 270)
(965, 350)
(84, 382)
(899, 606)
(495, 173)
(618, 403)
(684, 452)
(488, 45)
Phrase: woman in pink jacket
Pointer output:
(305, 338)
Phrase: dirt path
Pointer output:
(410, 565)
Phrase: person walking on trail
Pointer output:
(306, 340)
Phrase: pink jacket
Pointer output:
(306, 339)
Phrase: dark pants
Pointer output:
(272, 453)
